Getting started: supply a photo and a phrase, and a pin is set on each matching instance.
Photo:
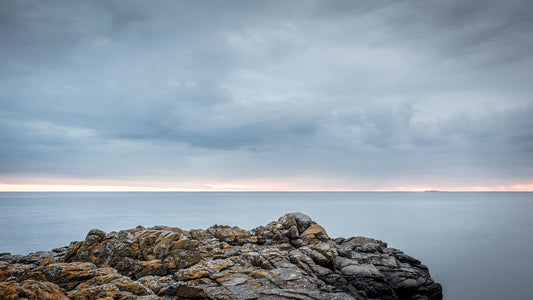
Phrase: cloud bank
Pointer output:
(307, 94)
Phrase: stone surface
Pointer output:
(291, 258)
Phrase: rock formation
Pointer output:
(291, 258)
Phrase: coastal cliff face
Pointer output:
(291, 258)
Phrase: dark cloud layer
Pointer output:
(353, 94)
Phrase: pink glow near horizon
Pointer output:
(232, 186)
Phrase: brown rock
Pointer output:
(152, 267)
(32, 290)
(315, 231)
(94, 236)
(232, 235)
(95, 292)
(291, 258)
(203, 269)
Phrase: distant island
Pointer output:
(291, 258)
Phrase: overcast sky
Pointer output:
(351, 95)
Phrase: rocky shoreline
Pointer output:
(291, 258)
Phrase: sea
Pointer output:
(478, 245)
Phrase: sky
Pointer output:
(266, 95)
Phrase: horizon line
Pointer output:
(261, 191)
(4, 187)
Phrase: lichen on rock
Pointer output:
(291, 258)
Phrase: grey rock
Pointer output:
(95, 236)
(291, 258)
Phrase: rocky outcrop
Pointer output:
(291, 258)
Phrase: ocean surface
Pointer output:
(477, 245)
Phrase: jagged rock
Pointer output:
(31, 289)
(291, 258)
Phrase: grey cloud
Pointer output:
(340, 88)
(260, 136)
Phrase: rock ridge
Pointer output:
(291, 258)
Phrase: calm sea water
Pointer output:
(477, 245)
